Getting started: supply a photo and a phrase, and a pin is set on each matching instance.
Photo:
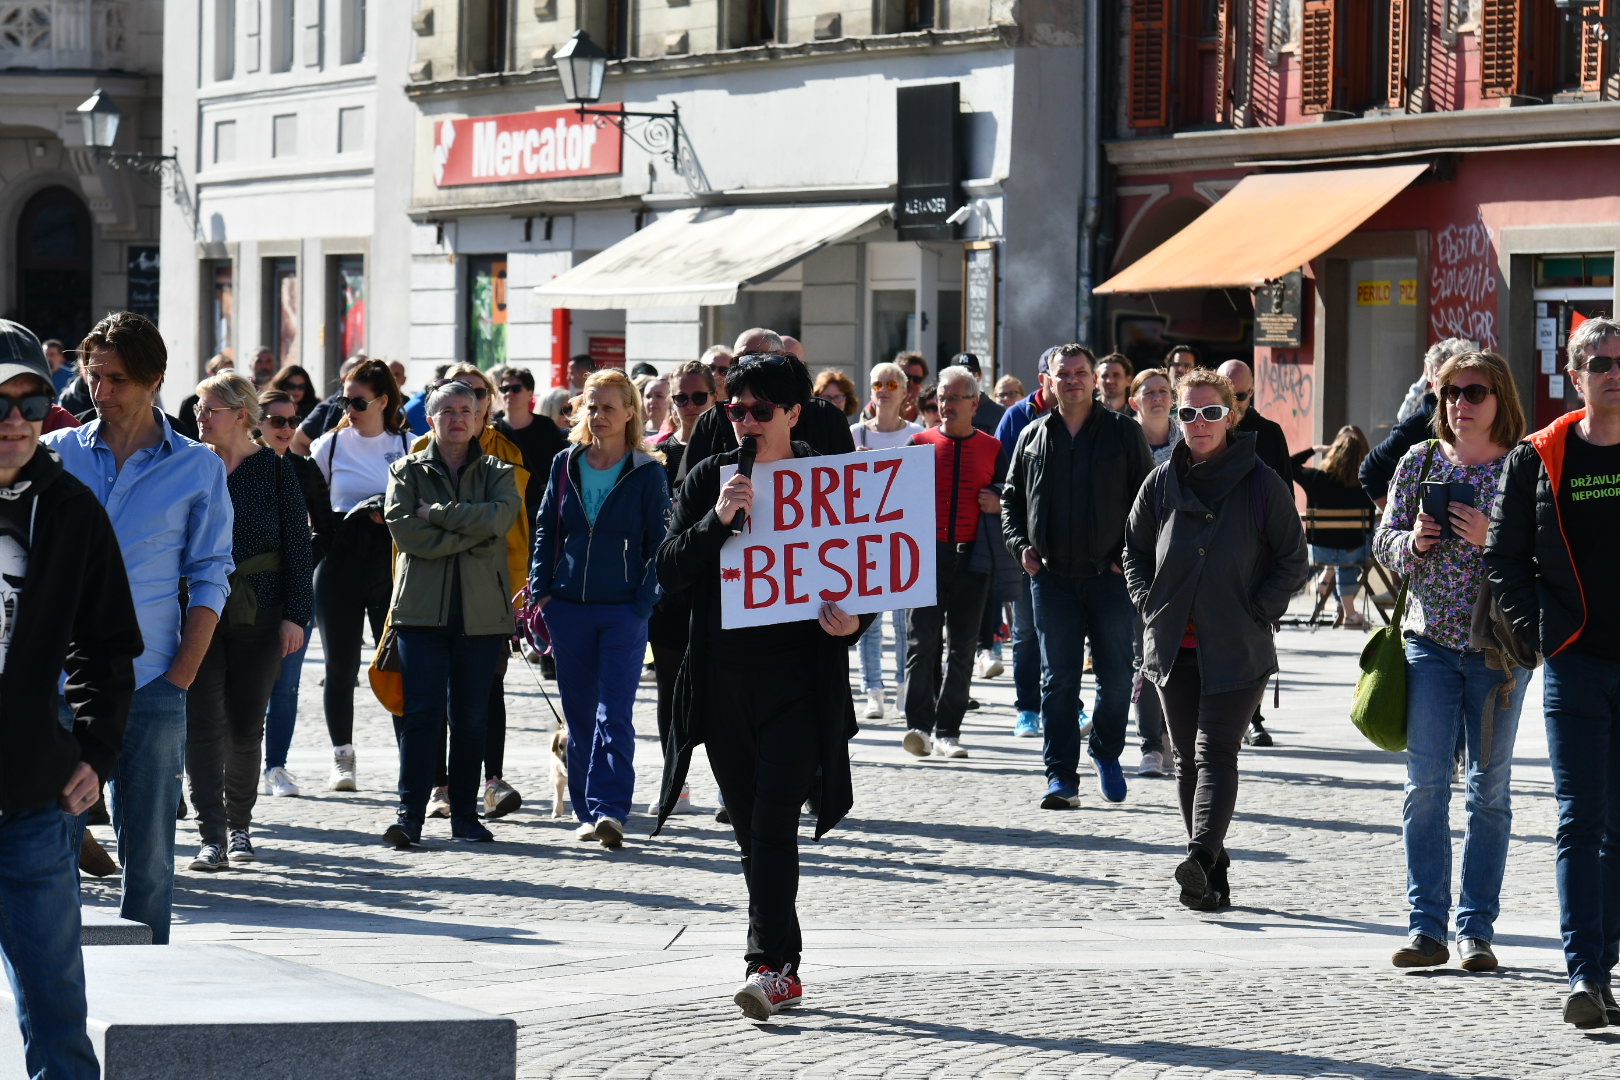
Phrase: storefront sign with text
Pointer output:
(548, 145)
(856, 529)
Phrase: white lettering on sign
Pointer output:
(523, 146)
(920, 207)
(854, 529)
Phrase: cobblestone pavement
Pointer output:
(952, 927)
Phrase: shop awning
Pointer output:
(1266, 226)
(704, 255)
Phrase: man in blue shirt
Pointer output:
(169, 507)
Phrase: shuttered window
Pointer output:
(1225, 55)
(1318, 70)
(1501, 29)
(1595, 54)
(1149, 63)
(1400, 52)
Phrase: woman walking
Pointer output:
(277, 425)
(353, 583)
(596, 534)
(295, 382)
(1150, 399)
(1341, 552)
(1451, 691)
(771, 704)
(1213, 553)
(450, 506)
(263, 621)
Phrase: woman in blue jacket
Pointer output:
(597, 530)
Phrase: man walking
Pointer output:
(171, 512)
(1073, 477)
(64, 605)
(1547, 556)
(968, 470)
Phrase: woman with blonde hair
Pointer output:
(1341, 552)
(593, 578)
(1009, 391)
(264, 618)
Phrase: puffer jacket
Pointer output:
(610, 561)
(465, 535)
(1192, 552)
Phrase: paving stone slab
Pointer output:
(104, 927)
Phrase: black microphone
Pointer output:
(745, 467)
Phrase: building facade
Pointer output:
(1447, 164)
(78, 237)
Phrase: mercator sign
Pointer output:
(856, 529)
(551, 144)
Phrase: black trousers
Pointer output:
(1207, 732)
(936, 699)
(666, 665)
(350, 588)
(494, 730)
(762, 746)
(225, 722)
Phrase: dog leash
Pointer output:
(538, 681)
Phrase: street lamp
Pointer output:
(101, 117)
(582, 65)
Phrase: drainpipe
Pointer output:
(1090, 192)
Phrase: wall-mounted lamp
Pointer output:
(582, 65)
(101, 117)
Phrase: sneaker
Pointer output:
(874, 705)
(500, 799)
(586, 831)
(683, 804)
(1257, 735)
(945, 746)
(648, 674)
(988, 665)
(1152, 763)
(722, 815)
(1085, 724)
(766, 992)
(1475, 954)
(211, 858)
(1420, 950)
(278, 781)
(915, 742)
(402, 835)
(470, 831)
(240, 849)
(343, 778)
(610, 831)
(1060, 796)
(1028, 724)
(1110, 778)
(439, 802)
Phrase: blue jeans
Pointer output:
(282, 716)
(1026, 651)
(871, 646)
(39, 940)
(1582, 699)
(1069, 611)
(599, 648)
(1347, 563)
(1446, 693)
(446, 678)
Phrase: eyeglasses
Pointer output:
(914, 380)
(513, 388)
(1474, 394)
(358, 404)
(719, 369)
(699, 398)
(947, 399)
(33, 407)
(887, 384)
(299, 386)
(201, 411)
(1242, 395)
(279, 422)
(1597, 365)
(761, 411)
(1212, 414)
(479, 392)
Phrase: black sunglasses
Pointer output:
(915, 380)
(699, 398)
(1474, 394)
(1242, 395)
(299, 386)
(358, 404)
(719, 369)
(34, 407)
(279, 421)
(762, 411)
(513, 388)
(1597, 365)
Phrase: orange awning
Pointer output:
(1266, 226)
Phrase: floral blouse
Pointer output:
(1443, 584)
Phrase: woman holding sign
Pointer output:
(770, 703)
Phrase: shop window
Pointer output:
(486, 310)
(483, 36)
(283, 32)
(219, 301)
(1575, 271)
(281, 309)
(346, 308)
(608, 23)
(894, 323)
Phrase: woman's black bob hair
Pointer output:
(781, 380)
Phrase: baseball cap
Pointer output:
(22, 354)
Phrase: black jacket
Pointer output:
(1270, 444)
(689, 562)
(1192, 552)
(822, 425)
(1527, 560)
(74, 614)
(1119, 463)
(1378, 467)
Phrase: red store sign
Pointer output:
(518, 147)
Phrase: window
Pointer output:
(351, 130)
(224, 141)
(220, 304)
(224, 40)
(899, 16)
(1344, 56)
(347, 311)
(1180, 65)
(483, 36)
(608, 22)
(1149, 63)
(281, 309)
(283, 32)
(486, 310)
(352, 31)
(284, 135)
(1529, 50)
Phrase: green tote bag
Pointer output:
(1379, 707)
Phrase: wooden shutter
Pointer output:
(1225, 55)
(1149, 63)
(1595, 53)
(1400, 52)
(1318, 71)
(1501, 28)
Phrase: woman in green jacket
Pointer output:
(448, 509)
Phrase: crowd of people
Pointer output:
(1139, 525)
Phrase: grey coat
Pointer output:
(1192, 551)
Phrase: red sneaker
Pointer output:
(766, 992)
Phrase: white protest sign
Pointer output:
(856, 529)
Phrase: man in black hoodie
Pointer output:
(64, 607)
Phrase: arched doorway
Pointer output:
(53, 265)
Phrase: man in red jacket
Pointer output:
(64, 606)
(969, 466)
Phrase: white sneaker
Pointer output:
(915, 742)
(683, 805)
(874, 705)
(1152, 764)
(945, 746)
(343, 776)
(277, 781)
(586, 831)
(989, 665)
(439, 803)
(610, 831)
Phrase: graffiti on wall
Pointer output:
(1462, 284)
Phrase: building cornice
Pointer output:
(1369, 137)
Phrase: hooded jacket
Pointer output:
(74, 614)
(1192, 552)
(1527, 558)
(1378, 467)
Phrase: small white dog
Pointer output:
(559, 772)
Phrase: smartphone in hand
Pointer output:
(1438, 495)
